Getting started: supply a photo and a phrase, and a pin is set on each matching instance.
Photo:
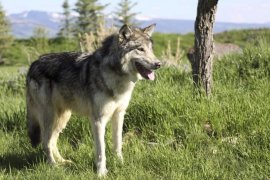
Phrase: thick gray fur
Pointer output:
(97, 85)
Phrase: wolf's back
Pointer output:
(50, 66)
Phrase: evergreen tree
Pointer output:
(65, 31)
(90, 16)
(5, 36)
(40, 39)
(124, 14)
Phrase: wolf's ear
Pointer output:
(125, 32)
(149, 30)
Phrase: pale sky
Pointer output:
(248, 11)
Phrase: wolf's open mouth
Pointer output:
(146, 73)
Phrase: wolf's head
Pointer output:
(137, 57)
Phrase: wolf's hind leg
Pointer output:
(59, 125)
(48, 146)
(48, 137)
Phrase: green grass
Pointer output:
(23, 52)
(169, 133)
(243, 37)
(6, 72)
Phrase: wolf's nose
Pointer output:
(157, 64)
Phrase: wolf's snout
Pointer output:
(157, 65)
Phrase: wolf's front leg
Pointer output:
(117, 129)
(98, 129)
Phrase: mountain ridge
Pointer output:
(25, 22)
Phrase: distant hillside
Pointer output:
(24, 23)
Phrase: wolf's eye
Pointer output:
(141, 49)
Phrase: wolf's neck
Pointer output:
(118, 84)
(111, 68)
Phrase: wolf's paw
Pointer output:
(102, 172)
(66, 162)
(51, 162)
(120, 158)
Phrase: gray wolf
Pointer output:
(98, 85)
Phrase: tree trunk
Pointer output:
(204, 45)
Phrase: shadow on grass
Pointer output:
(19, 161)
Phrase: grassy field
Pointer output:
(171, 134)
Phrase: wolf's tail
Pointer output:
(33, 130)
(33, 126)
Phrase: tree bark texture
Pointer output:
(204, 45)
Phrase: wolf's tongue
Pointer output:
(146, 73)
(151, 75)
